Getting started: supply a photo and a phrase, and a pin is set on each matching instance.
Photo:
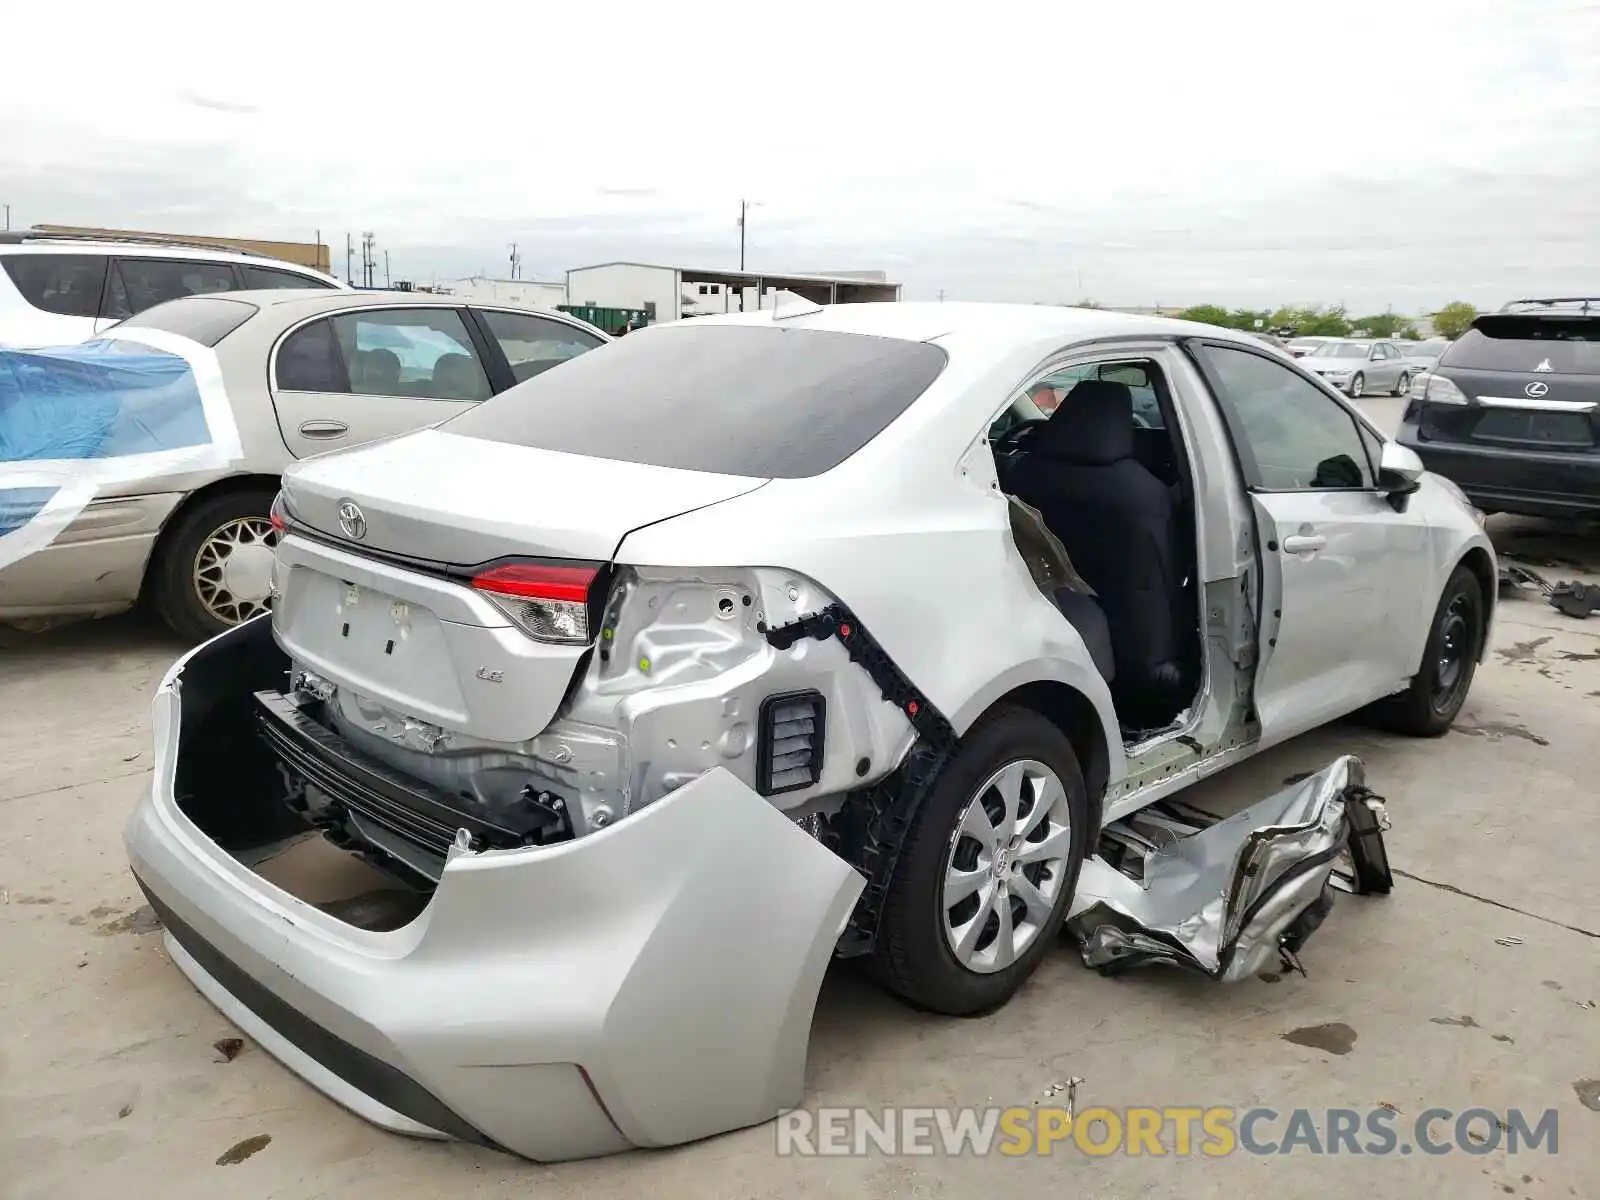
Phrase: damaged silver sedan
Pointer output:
(590, 725)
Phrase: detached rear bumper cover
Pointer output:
(650, 984)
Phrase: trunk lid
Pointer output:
(391, 615)
(442, 498)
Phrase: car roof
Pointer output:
(150, 250)
(923, 321)
(295, 303)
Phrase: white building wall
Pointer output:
(524, 293)
(626, 285)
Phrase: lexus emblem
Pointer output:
(354, 522)
(1536, 390)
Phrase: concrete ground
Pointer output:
(1473, 984)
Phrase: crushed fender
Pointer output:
(1227, 897)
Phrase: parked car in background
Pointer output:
(224, 392)
(1511, 410)
(615, 708)
(1299, 347)
(58, 290)
(1420, 356)
(1359, 367)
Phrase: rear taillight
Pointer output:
(278, 514)
(1436, 389)
(547, 601)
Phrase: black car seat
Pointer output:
(1119, 524)
(457, 377)
(380, 374)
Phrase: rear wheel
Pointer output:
(213, 568)
(1429, 706)
(1402, 385)
(1358, 385)
(988, 869)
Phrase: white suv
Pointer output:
(56, 291)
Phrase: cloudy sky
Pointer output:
(1398, 154)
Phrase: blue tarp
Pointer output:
(18, 506)
(101, 399)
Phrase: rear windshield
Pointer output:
(730, 399)
(1564, 345)
(203, 319)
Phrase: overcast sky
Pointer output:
(1403, 153)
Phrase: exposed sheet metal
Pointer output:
(114, 411)
(1229, 898)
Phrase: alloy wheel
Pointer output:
(233, 570)
(1006, 866)
(1402, 385)
(1357, 385)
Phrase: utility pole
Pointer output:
(385, 268)
(369, 241)
(516, 262)
(744, 207)
(8, 218)
(941, 295)
(349, 253)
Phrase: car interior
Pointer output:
(1092, 449)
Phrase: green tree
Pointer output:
(1313, 321)
(1452, 320)
(1206, 314)
(1246, 318)
(1384, 325)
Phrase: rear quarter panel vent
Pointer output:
(790, 742)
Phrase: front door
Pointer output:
(356, 376)
(1339, 565)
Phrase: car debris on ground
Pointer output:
(1175, 885)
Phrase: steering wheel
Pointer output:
(1015, 439)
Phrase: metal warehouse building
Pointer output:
(668, 293)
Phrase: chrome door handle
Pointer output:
(1303, 544)
(324, 429)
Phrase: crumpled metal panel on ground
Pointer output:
(1229, 897)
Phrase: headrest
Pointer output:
(1093, 426)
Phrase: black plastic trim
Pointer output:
(416, 811)
(371, 1076)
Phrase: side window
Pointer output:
(532, 344)
(68, 285)
(1295, 437)
(309, 361)
(141, 283)
(422, 352)
(271, 277)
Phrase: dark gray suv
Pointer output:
(1510, 411)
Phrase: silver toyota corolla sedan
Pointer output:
(836, 643)
(143, 463)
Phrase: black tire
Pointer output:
(1444, 677)
(1403, 384)
(1358, 384)
(170, 583)
(913, 956)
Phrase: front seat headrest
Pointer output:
(1093, 426)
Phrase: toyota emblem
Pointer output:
(1536, 389)
(352, 520)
